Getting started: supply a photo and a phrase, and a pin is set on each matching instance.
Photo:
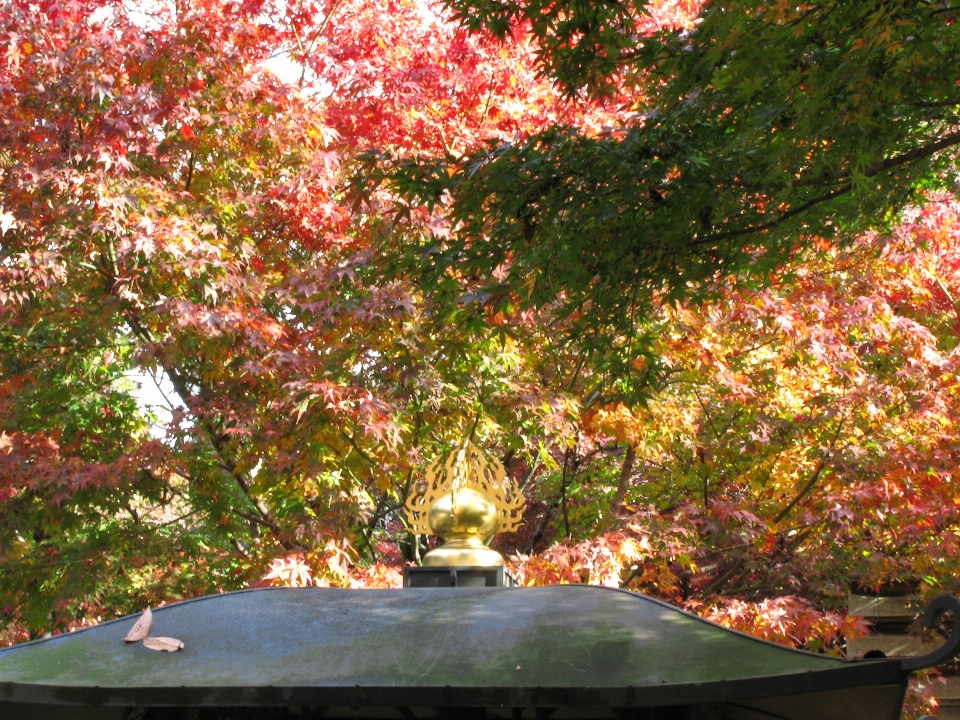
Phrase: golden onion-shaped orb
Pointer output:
(464, 512)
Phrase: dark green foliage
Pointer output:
(767, 126)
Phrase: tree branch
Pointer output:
(718, 582)
(845, 177)
(918, 153)
(813, 478)
(227, 462)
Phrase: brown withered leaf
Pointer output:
(141, 628)
(163, 644)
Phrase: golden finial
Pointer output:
(466, 499)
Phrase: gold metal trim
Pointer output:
(466, 499)
(466, 468)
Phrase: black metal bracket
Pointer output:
(458, 576)
(931, 618)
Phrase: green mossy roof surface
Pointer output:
(545, 637)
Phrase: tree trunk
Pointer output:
(616, 505)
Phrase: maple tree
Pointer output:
(755, 130)
(810, 422)
(803, 446)
(169, 205)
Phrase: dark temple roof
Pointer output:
(561, 646)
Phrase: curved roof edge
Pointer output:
(809, 673)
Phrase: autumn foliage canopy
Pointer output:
(344, 235)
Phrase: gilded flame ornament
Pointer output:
(466, 499)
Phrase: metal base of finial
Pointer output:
(463, 552)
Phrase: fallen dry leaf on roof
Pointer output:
(163, 644)
(141, 628)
